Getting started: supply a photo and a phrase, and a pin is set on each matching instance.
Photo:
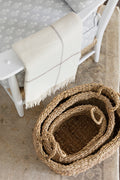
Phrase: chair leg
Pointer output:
(107, 13)
(97, 50)
(13, 84)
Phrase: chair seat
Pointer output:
(78, 5)
(19, 19)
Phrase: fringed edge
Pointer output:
(49, 93)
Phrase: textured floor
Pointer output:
(17, 156)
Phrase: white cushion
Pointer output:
(21, 18)
(78, 5)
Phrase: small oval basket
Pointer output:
(78, 129)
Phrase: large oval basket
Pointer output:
(78, 129)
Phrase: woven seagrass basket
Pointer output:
(78, 129)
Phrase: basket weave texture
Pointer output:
(78, 129)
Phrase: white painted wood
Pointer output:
(8, 93)
(88, 37)
(16, 95)
(10, 64)
(86, 56)
(107, 13)
(87, 11)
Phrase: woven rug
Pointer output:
(17, 155)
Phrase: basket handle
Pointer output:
(117, 103)
(49, 137)
(55, 146)
(98, 122)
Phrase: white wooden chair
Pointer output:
(10, 64)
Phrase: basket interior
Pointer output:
(75, 133)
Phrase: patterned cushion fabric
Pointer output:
(78, 5)
(19, 19)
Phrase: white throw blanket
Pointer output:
(50, 58)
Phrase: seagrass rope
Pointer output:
(70, 102)
(51, 130)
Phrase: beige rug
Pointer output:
(17, 156)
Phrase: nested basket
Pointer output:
(78, 129)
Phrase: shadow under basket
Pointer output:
(78, 129)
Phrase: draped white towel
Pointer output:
(50, 57)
